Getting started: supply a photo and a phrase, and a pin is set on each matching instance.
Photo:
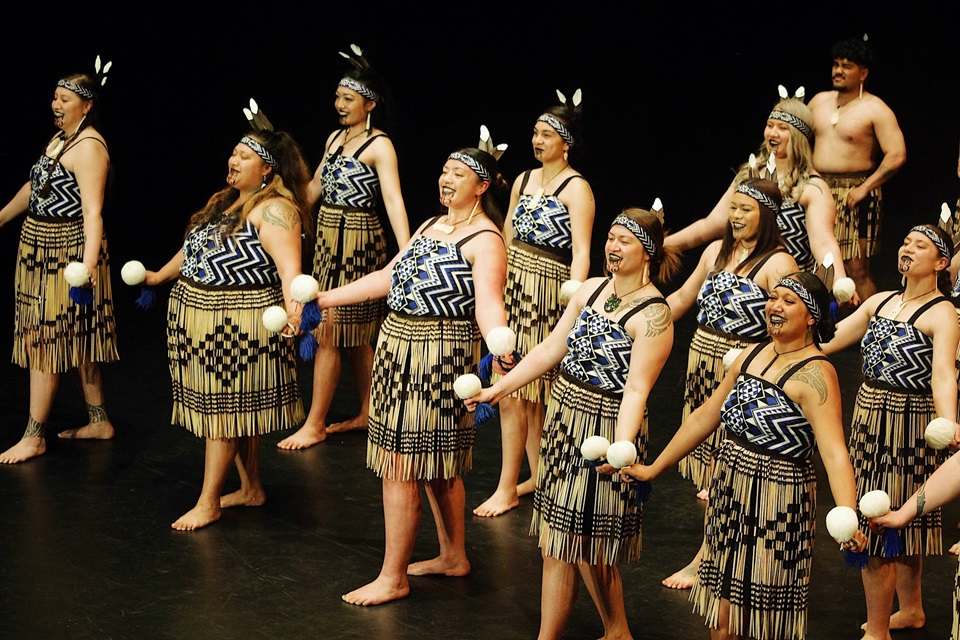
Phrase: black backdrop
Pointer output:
(673, 97)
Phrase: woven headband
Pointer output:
(791, 119)
(804, 294)
(471, 162)
(759, 196)
(637, 230)
(556, 124)
(942, 246)
(261, 151)
(83, 92)
(360, 88)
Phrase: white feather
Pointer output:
(752, 162)
(106, 67)
(484, 133)
(782, 90)
(345, 55)
(828, 260)
(865, 38)
(96, 65)
(357, 50)
(800, 92)
(502, 147)
(771, 164)
(563, 98)
(253, 106)
(657, 205)
(247, 113)
(945, 213)
(576, 98)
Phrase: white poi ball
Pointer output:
(842, 523)
(133, 273)
(874, 503)
(939, 433)
(729, 357)
(843, 289)
(304, 288)
(275, 318)
(76, 274)
(501, 341)
(567, 289)
(621, 453)
(594, 447)
(467, 386)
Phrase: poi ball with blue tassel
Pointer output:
(275, 318)
(939, 433)
(621, 453)
(77, 276)
(843, 290)
(467, 386)
(594, 447)
(304, 288)
(133, 273)
(501, 341)
(874, 503)
(842, 524)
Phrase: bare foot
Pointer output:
(24, 450)
(379, 591)
(102, 430)
(243, 499)
(684, 578)
(900, 620)
(305, 437)
(527, 487)
(955, 549)
(439, 567)
(196, 518)
(358, 423)
(703, 494)
(497, 504)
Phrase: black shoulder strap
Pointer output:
(565, 183)
(473, 235)
(756, 268)
(753, 354)
(366, 144)
(886, 300)
(596, 293)
(526, 179)
(76, 142)
(919, 312)
(796, 367)
(640, 307)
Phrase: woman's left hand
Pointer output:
(607, 469)
(856, 544)
(503, 364)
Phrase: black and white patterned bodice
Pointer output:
(433, 278)
(896, 353)
(733, 304)
(62, 199)
(237, 260)
(544, 220)
(347, 182)
(792, 222)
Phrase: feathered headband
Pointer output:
(259, 122)
(573, 105)
(358, 60)
(789, 118)
(100, 77)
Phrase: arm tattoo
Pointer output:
(97, 413)
(34, 429)
(280, 215)
(658, 319)
(921, 499)
(811, 375)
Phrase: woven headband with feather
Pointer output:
(574, 104)
(100, 79)
(486, 143)
(258, 119)
(950, 222)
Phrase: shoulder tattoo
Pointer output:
(658, 319)
(812, 375)
(279, 214)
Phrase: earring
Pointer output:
(263, 183)
(861, 89)
(645, 276)
(473, 211)
(369, 127)
(565, 155)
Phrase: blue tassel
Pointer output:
(82, 295)
(834, 311)
(482, 413)
(308, 346)
(856, 560)
(147, 299)
(311, 317)
(485, 368)
(644, 491)
(892, 546)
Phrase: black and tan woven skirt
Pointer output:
(704, 374)
(889, 453)
(758, 543)
(230, 376)
(532, 301)
(350, 244)
(863, 222)
(419, 429)
(581, 515)
(51, 332)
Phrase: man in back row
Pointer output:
(859, 146)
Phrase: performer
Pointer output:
(909, 341)
(359, 166)
(234, 381)
(548, 230)
(443, 289)
(730, 287)
(807, 217)
(778, 403)
(52, 333)
(611, 344)
(859, 148)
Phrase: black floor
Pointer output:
(86, 550)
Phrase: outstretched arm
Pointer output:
(17, 205)
(705, 229)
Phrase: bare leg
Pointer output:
(513, 429)
(217, 460)
(910, 614)
(326, 375)
(402, 506)
(606, 588)
(858, 269)
(99, 426)
(43, 388)
(535, 414)
(558, 593)
(722, 632)
(879, 585)
(447, 501)
(361, 366)
(251, 493)
(686, 577)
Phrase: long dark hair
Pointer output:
(768, 233)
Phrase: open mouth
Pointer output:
(776, 320)
(613, 258)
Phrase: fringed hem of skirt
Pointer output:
(440, 465)
(571, 547)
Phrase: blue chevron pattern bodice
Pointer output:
(793, 230)
(62, 200)
(238, 260)
(432, 278)
(598, 351)
(347, 182)
(897, 353)
(732, 304)
(759, 412)
(544, 222)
